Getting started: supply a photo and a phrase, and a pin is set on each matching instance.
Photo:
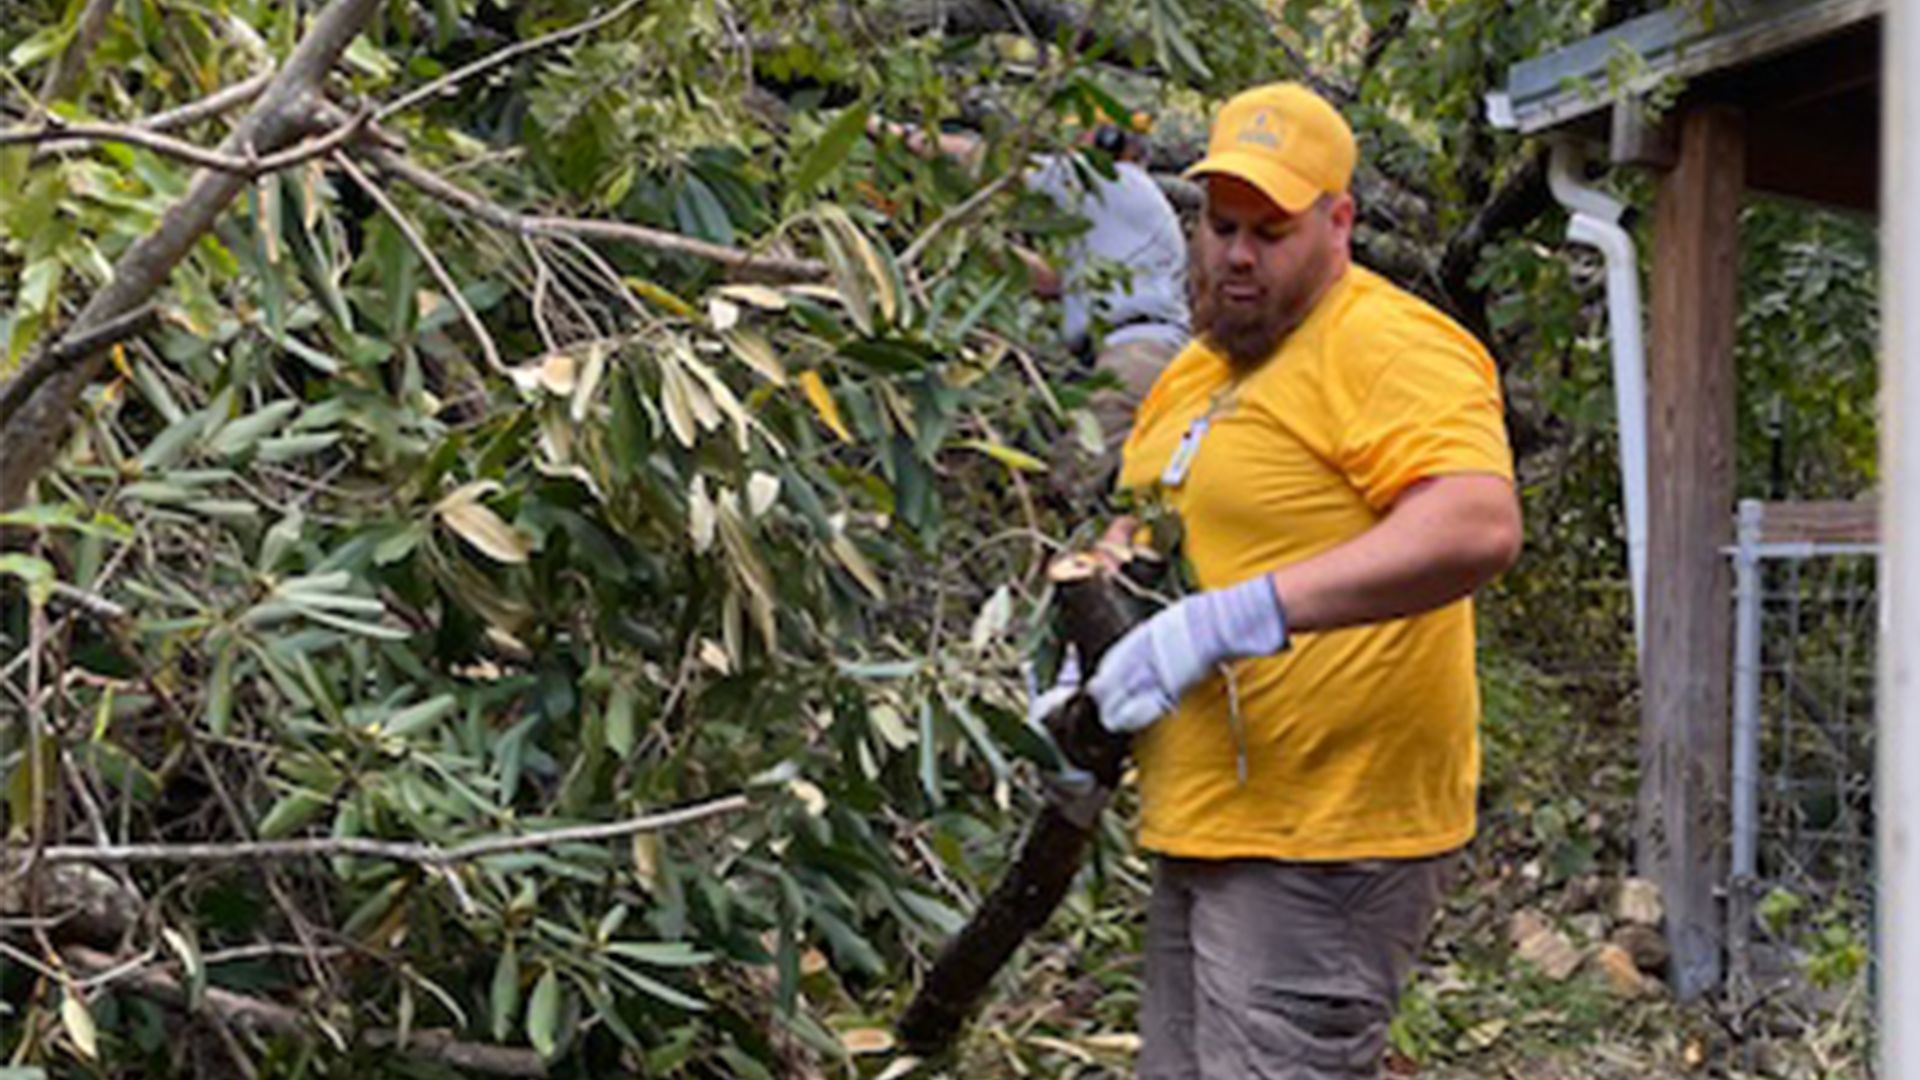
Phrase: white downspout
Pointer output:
(1897, 717)
(1594, 220)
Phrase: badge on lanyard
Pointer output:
(1175, 474)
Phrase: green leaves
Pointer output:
(831, 149)
(503, 996)
(543, 1013)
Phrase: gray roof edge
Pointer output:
(1550, 90)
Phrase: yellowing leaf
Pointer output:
(674, 402)
(79, 1024)
(809, 794)
(754, 351)
(646, 859)
(487, 531)
(661, 298)
(1018, 460)
(588, 381)
(1061, 1046)
(858, 566)
(701, 516)
(553, 373)
(867, 1040)
(760, 296)
(714, 655)
(822, 400)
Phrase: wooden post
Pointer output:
(1685, 730)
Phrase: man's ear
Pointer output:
(1340, 211)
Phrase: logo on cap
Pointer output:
(1257, 130)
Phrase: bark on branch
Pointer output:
(431, 855)
(32, 435)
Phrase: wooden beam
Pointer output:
(1685, 729)
(1823, 522)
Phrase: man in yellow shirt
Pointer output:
(1336, 453)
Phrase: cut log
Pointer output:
(1093, 613)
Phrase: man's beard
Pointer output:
(1249, 336)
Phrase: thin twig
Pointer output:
(495, 59)
(222, 100)
(957, 214)
(542, 278)
(53, 130)
(421, 248)
(743, 262)
(394, 851)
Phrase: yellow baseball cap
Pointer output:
(1283, 139)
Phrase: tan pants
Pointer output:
(1267, 970)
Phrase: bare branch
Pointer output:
(220, 101)
(434, 266)
(744, 263)
(958, 213)
(495, 59)
(214, 104)
(65, 73)
(432, 855)
(54, 130)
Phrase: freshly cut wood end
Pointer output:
(1079, 566)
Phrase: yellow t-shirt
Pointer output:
(1359, 743)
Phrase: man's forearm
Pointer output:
(1442, 540)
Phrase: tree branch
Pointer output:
(32, 434)
(1521, 198)
(745, 264)
(226, 1006)
(53, 130)
(434, 266)
(65, 73)
(220, 101)
(430, 855)
(495, 59)
(42, 365)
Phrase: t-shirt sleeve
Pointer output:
(1434, 409)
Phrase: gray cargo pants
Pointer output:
(1266, 970)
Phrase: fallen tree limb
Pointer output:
(366, 847)
(227, 1007)
(747, 265)
(76, 346)
(33, 433)
(1094, 613)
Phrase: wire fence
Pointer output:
(1801, 899)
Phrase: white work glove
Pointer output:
(1144, 675)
